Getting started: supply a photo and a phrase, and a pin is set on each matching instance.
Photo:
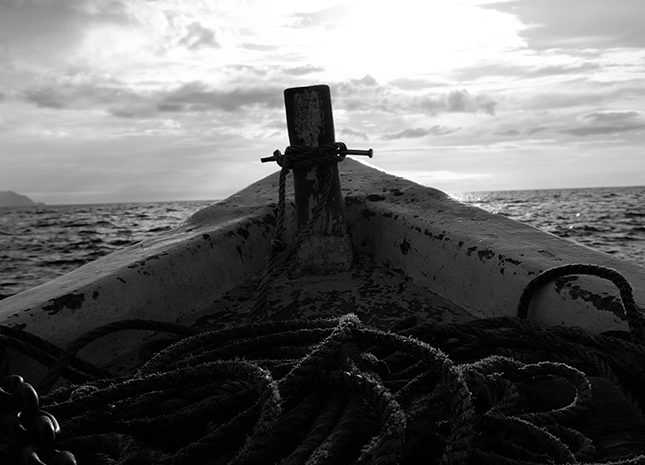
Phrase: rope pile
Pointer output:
(334, 391)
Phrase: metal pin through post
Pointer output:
(274, 157)
(369, 152)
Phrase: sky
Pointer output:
(154, 100)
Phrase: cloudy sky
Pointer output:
(137, 100)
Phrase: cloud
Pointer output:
(508, 133)
(198, 96)
(520, 132)
(129, 111)
(517, 133)
(609, 122)
(536, 129)
(119, 100)
(555, 70)
(198, 36)
(354, 133)
(46, 97)
(364, 94)
(613, 116)
(415, 84)
(413, 133)
(576, 97)
(75, 96)
(578, 23)
(592, 130)
(269, 71)
(44, 32)
(517, 71)
(328, 18)
(244, 71)
(367, 94)
(302, 70)
(353, 84)
(259, 47)
(170, 107)
(457, 101)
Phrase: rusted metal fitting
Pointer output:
(367, 153)
(275, 157)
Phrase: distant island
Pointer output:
(12, 199)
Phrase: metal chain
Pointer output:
(33, 429)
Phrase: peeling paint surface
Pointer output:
(609, 303)
(404, 246)
(69, 301)
(380, 296)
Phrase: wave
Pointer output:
(38, 245)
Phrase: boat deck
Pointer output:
(385, 298)
(380, 296)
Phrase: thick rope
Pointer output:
(70, 353)
(294, 157)
(632, 313)
(47, 353)
(250, 403)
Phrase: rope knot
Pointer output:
(302, 156)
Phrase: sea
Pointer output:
(40, 243)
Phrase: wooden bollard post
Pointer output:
(310, 123)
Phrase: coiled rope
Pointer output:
(337, 391)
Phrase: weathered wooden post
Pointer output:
(310, 123)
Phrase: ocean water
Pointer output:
(38, 244)
(611, 220)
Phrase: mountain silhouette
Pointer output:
(12, 199)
